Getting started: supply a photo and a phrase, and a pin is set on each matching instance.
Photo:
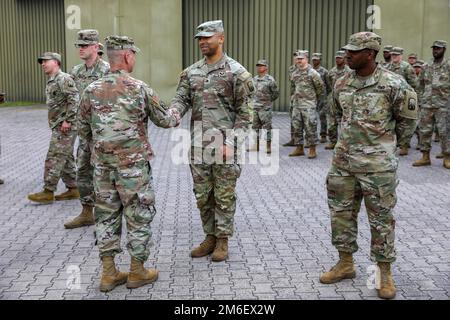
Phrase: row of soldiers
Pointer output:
(377, 110)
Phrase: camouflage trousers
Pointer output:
(85, 176)
(291, 110)
(124, 192)
(430, 117)
(215, 191)
(323, 110)
(305, 124)
(333, 125)
(60, 162)
(262, 119)
(346, 191)
(446, 142)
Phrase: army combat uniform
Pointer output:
(266, 92)
(322, 103)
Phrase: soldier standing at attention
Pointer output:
(337, 72)
(378, 108)
(307, 87)
(419, 67)
(113, 119)
(84, 74)
(387, 56)
(436, 105)
(217, 89)
(412, 59)
(322, 103)
(62, 101)
(266, 92)
(291, 103)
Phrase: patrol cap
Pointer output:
(419, 64)
(388, 48)
(121, 43)
(413, 55)
(440, 44)
(364, 40)
(340, 54)
(317, 56)
(263, 63)
(87, 37)
(302, 54)
(397, 51)
(101, 49)
(49, 56)
(209, 28)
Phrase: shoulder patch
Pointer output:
(410, 107)
(244, 76)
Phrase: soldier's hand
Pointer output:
(65, 127)
(227, 152)
(174, 112)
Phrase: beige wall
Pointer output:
(414, 24)
(156, 27)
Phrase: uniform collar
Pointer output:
(55, 76)
(372, 80)
(217, 66)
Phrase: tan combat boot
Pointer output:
(269, 147)
(71, 194)
(44, 197)
(206, 247)
(289, 144)
(387, 289)
(111, 277)
(221, 252)
(404, 151)
(85, 219)
(440, 156)
(330, 146)
(323, 139)
(312, 152)
(298, 152)
(344, 269)
(447, 161)
(425, 161)
(139, 276)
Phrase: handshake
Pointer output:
(175, 113)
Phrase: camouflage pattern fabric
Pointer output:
(405, 70)
(322, 103)
(307, 87)
(291, 102)
(219, 97)
(114, 117)
(266, 92)
(83, 78)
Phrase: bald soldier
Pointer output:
(378, 108)
(114, 115)
(218, 91)
(93, 69)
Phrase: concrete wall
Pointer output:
(414, 24)
(156, 27)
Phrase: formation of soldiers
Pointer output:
(375, 111)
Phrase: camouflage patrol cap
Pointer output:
(209, 28)
(263, 63)
(317, 56)
(302, 54)
(87, 37)
(419, 64)
(388, 48)
(397, 51)
(413, 55)
(440, 44)
(101, 49)
(340, 54)
(364, 40)
(121, 43)
(49, 56)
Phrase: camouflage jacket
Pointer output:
(84, 77)
(266, 92)
(114, 114)
(405, 70)
(324, 75)
(307, 87)
(376, 114)
(437, 82)
(385, 65)
(335, 73)
(62, 100)
(219, 97)
(420, 89)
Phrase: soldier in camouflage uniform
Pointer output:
(337, 72)
(322, 103)
(377, 108)
(101, 50)
(62, 100)
(387, 56)
(307, 88)
(218, 91)
(291, 102)
(113, 119)
(412, 59)
(419, 67)
(436, 105)
(266, 92)
(405, 70)
(93, 69)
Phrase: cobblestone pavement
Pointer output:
(282, 241)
